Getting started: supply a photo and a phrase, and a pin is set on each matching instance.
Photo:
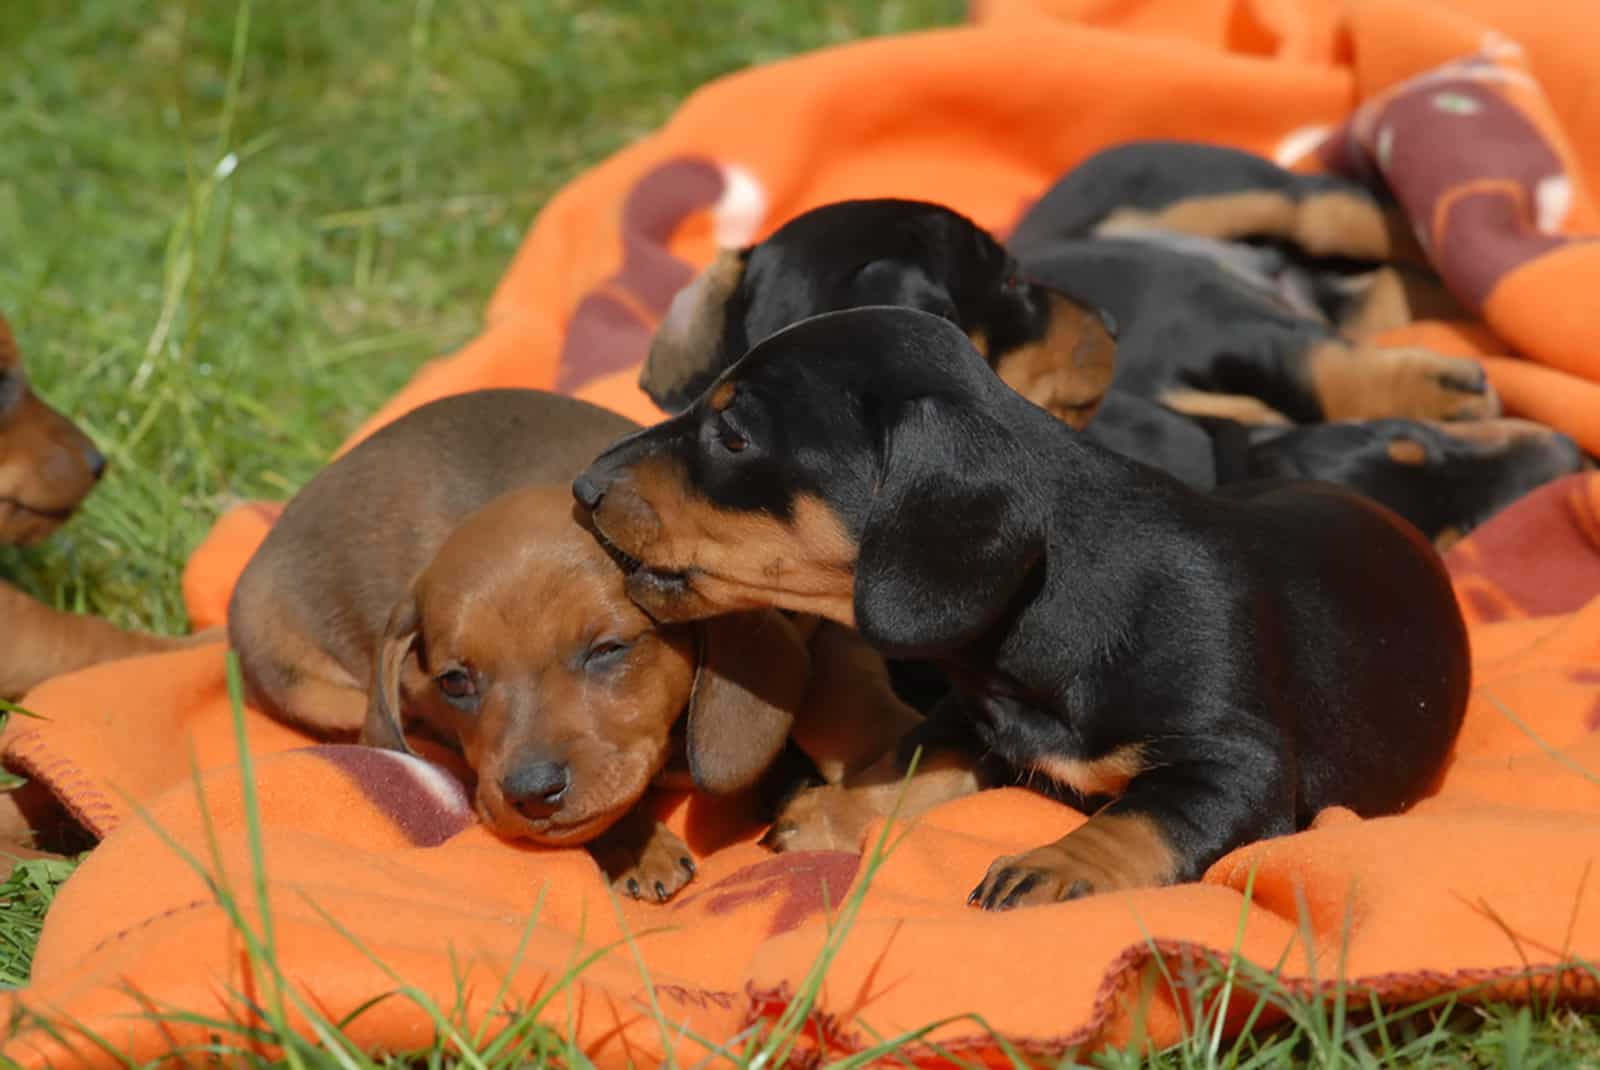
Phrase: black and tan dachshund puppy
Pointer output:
(1225, 664)
(1444, 477)
(1053, 350)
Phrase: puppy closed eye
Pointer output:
(458, 687)
(605, 654)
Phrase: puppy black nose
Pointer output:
(535, 789)
(588, 490)
(95, 460)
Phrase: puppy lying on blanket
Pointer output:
(1185, 327)
(436, 573)
(47, 467)
(1226, 664)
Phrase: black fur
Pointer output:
(1276, 647)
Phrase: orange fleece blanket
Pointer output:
(373, 858)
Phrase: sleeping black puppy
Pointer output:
(1445, 478)
(1225, 664)
(1045, 345)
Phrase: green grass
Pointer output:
(232, 229)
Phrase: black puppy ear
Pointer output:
(384, 722)
(686, 352)
(753, 673)
(954, 531)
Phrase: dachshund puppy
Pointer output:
(1446, 478)
(1187, 333)
(1225, 665)
(47, 465)
(1050, 348)
(436, 573)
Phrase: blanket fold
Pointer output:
(377, 869)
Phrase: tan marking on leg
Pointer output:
(1105, 775)
(1238, 407)
(1107, 853)
(1067, 371)
(1225, 215)
(980, 341)
(1396, 297)
(1494, 434)
(1407, 451)
(1359, 382)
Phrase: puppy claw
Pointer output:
(650, 863)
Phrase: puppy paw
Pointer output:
(1401, 382)
(825, 818)
(655, 869)
(1108, 853)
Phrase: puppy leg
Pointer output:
(44, 642)
(835, 817)
(642, 858)
(1361, 382)
(1241, 408)
(1168, 826)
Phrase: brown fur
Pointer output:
(1405, 382)
(47, 465)
(729, 560)
(692, 328)
(1109, 852)
(1240, 407)
(1068, 371)
(1327, 224)
(1105, 775)
(1407, 451)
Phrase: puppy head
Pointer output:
(518, 644)
(47, 465)
(1446, 478)
(859, 466)
(910, 254)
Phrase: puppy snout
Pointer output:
(95, 461)
(536, 789)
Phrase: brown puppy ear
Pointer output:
(753, 673)
(383, 726)
(1068, 370)
(686, 352)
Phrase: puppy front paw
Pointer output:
(655, 868)
(1107, 853)
(825, 818)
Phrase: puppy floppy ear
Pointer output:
(383, 727)
(686, 352)
(896, 282)
(753, 672)
(954, 531)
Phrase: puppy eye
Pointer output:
(732, 441)
(604, 654)
(457, 685)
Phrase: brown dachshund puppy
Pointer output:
(437, 573)
(47, 465)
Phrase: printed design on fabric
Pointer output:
(1480, 182)
(424, 802)
(1497, 579)
(611, 328)
(802, 885)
